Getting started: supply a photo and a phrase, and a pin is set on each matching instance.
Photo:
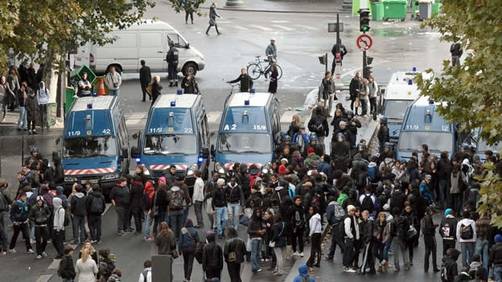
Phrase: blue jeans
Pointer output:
(147, 225)
(221, 219)
(497, 273)
(175, 221)
(467, 252)
(113, 92)
(22, 122)
(482, 250)
(79, 235)
(235, 210)
(255, 254)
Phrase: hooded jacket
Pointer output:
(78, 204)
(19, 212)
(149, 195)
(212, 255)
(59, 214)
(303, 275)
(94, 196)
(40, 215)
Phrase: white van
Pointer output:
(145, 41)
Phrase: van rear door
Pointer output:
(152, 50)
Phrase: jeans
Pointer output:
(279, 255)
(379, 251)
(315, 250)
(22, 122)
(482, 248)
(234, 271)
(467, 249)
(298, 239)
(3, 234)
(335, 240)
(58, 241)
(147, 225)
(198, 213)
(42, 109)
(175, 221)
(143, 90)
(20, 228)
(348, 252)
(78, 228)
(137, 214)
(364, 106)
(41, 237)
(255, 254)
(497, 273)
(399, 247)
(188, 264)
(221, 219)
(94, 222)
(430, 249)
(235, 210)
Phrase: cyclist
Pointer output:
(271, 51)
(245, 80)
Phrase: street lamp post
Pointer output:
(233, 3)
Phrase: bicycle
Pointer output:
(255, 69)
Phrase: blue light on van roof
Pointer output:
(138, 160)
(89, 106)
(173, 103)
(410, 82)
(200, 159)
(414, 69)
(252, 91)
(246, 102)
(179, 91)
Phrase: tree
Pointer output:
(472, 92)
(180, 5)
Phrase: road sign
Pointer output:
(335, 27)
(364, 42)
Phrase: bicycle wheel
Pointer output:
(254, 71)
(279, 72)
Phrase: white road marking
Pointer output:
(240, 27)
(280, 21)
(283, 27)
(260, 27)
(307, 27)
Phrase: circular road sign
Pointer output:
(364, 42)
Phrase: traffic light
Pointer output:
(364, 20)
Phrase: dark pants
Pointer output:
(348, 253)
(25, 230)
(368, 263)
(3, 234)
(188, 14)
(352, 100)
(379, 251)
(298, 240)
(176, 221)
(215, 26)
(430, 249)
(94, 222)
(358, 244)
(364, 106)
(448, 244)
(315, 250)
(78, 229)
(172, 74)
(443, 192)
(335, 240)
(31, 121)
(234, 271)
(373, 105)
(410, 244)
(213, 273)
(456, 201)
(42, 109)
(3, 105)
(160, 217)
(143, 90)
(137, 214)
(58, 241)
(198, 213)
(188, 264)
(41, 237)
(122, 222)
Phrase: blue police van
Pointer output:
(422, 124)
(249, 130)
(95, 142)
(176, 133)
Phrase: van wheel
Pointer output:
(189, 68)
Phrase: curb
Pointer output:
(341, 11)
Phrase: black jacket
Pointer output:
(366, 230)
(121, 196)
(172, 56)
(234, 194)
(245, 81)
(66, 268)
(219, 198)
(40, 215)
(78, 204)
(95, 196)
(444, 169)
(136, 195)
(319, 125)
(354, 88)
(496, 254)
(145, 76)
(212, 257)
(156, 91)
(339, 48)
(190, 86)
(237, 246)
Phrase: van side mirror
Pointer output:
(134, 152)
(187, 46)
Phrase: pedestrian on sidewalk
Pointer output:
(58, 227)
(5, 202)
(19, 212)
(22, 98)
(233, 252)
(212, 258)
(43, 101)
(338, 51)
(66, 269)
(327, 92)
(354, 89)
(315, 232)
(198, 198)
(372, 95)
(113, 81)
(31, 110)
(189, 10)
(120, 200)
(212, 19)
(95, 206)
(40, 215)
(3, 97)
(145, 77)
(429, 232)
(351, 235)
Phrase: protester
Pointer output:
(66, 269)
(234, 252)
(120, 197)
(95, 207)
(146, 274)
(212, 258)
(40, 215)
(187, 245)
(19, 212)
(466, 236)
(145, 77)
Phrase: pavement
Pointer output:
(283, 6)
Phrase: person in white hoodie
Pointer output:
(113, 80)
(58, 227)
(466, 235)
(315, 227)
(198, 198)
(43, 101)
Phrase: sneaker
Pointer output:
(30, 251)
(44, 254)
(39, 257)
(12, 251)
(259, 270)
(34, 131)
(301, 254)
(296, 254)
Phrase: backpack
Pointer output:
(339, 212)
(466, 232)
(316, 125)
(97, 205)
(367, 204)
(176, 201)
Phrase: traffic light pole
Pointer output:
(338, 40)
(365, 66)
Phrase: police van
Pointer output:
(176, 133)
(422, 124)
(95, 142)
(249, 130)
(400, 92)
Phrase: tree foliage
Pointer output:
(182, 5)
(473, 90)
(48, 28)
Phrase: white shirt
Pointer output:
(466, 221)
(315, 224)
(148, 275)
(198, 190)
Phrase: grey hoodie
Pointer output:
(59, 214)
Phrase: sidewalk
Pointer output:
(283, 6)
(9, 126)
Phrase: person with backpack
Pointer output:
(429, 232)
(95, 207)
(448, 230)
(234, 251)
(368, 200)
(39, 215)
(78, 213)
(66, 269)
(449, 268)
(351, 234)
(334, 215)
(399, 232)
(187, 245)
(176, 201)
(303, 274)
(466, 235)
(212, 258)
(146, 274)
(60, 221)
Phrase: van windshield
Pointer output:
(167, 144)
(244, 143)
(437, 141)
(92, 146)
(395, 109)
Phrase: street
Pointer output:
(300, 39)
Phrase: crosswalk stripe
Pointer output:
(240, 27)
(260, 27)
(307, 27)
(283, 27)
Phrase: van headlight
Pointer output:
(110, 176)
(70, 179)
